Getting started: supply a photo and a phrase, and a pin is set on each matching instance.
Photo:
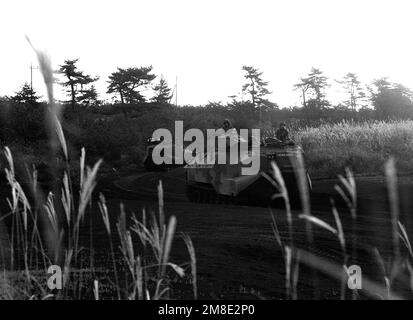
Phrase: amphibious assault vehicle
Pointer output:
(224, 183)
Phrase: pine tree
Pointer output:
(89, 97)
(77, 81)
(355, 92)
(255, 87)
(130, 82)
(26, 95)
(162, 92)
(313, 88)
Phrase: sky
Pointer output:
(204, 44)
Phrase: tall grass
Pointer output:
(147, 267)
(363, 147)
(394, 268)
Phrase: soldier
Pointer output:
(226, 132)
(226, 129)
(282, 133)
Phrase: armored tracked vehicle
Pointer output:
(224, 183)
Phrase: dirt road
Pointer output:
(237, 254)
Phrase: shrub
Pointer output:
(23, 122)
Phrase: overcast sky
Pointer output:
(205, 43)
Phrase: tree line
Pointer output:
(128, 85)
(388, 99)
(125, 83)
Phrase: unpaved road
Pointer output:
(237, 255)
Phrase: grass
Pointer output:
(394, 268)
(32, 250)
(363, 147)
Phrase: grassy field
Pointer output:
(363, 147)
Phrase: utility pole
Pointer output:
(31, 75)
(176, 92)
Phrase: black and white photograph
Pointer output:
(227, 152)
